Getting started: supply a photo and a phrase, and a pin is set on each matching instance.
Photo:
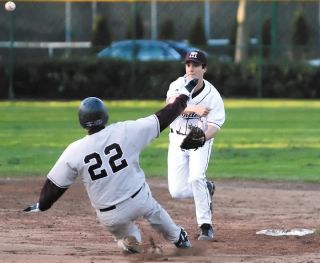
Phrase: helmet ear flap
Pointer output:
(92, 113)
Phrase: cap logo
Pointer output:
(193, 54)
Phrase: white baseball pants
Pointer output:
(187, 175)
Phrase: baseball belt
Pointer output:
(177, 132)
(114, 207)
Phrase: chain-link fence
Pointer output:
(41, 21)
(288, 30)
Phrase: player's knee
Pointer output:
(197, 182)
(177, 193)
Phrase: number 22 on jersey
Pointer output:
(112, 157)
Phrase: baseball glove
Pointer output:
(195, 139)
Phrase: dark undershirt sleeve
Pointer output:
(170, 112)
(49, 194)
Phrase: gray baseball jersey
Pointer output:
(107, 161)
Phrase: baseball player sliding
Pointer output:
(186, 166)
(107, 161)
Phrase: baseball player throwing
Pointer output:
(187, 168)
(107, 161)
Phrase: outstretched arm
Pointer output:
(176, 106)
(50, 193)
(170, 112)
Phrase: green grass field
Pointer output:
(261, 139)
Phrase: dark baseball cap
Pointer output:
(197, 56)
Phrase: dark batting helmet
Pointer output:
(92, 113)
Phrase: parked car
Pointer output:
(146, 50)
(314, 62)
(182, 47)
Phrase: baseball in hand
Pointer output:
(10, 6)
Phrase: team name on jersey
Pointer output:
(189, 116)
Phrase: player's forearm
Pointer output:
(49, 194)
(170, 112)
(211, 132)
(188, 109)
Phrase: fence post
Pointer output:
(67, 25)
(133, 50)
(11, 94)
(154, 26)
(207, 19)
(319, 25)
(274, 31)
(260, 53)
(94, 13)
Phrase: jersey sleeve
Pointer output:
(62, 173)
(174, 87)
(143, 131)
(216, 116)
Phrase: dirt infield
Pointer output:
(70, 232)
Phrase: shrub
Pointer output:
(65, 79)
(4, 82)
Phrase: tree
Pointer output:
(167, 29)
(197, 34)
(241, 53)
(232, 38)
(266, 37)
(139, 32)
(301, 33)
(301, 30)
(100, 33)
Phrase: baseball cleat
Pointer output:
(206, 232)
(183, 241)
(129, 244)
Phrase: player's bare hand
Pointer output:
(32, 208)
(171, 99)
(201, 111)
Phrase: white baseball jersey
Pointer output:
(187, 169)
(209, 97)
(107, 161)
